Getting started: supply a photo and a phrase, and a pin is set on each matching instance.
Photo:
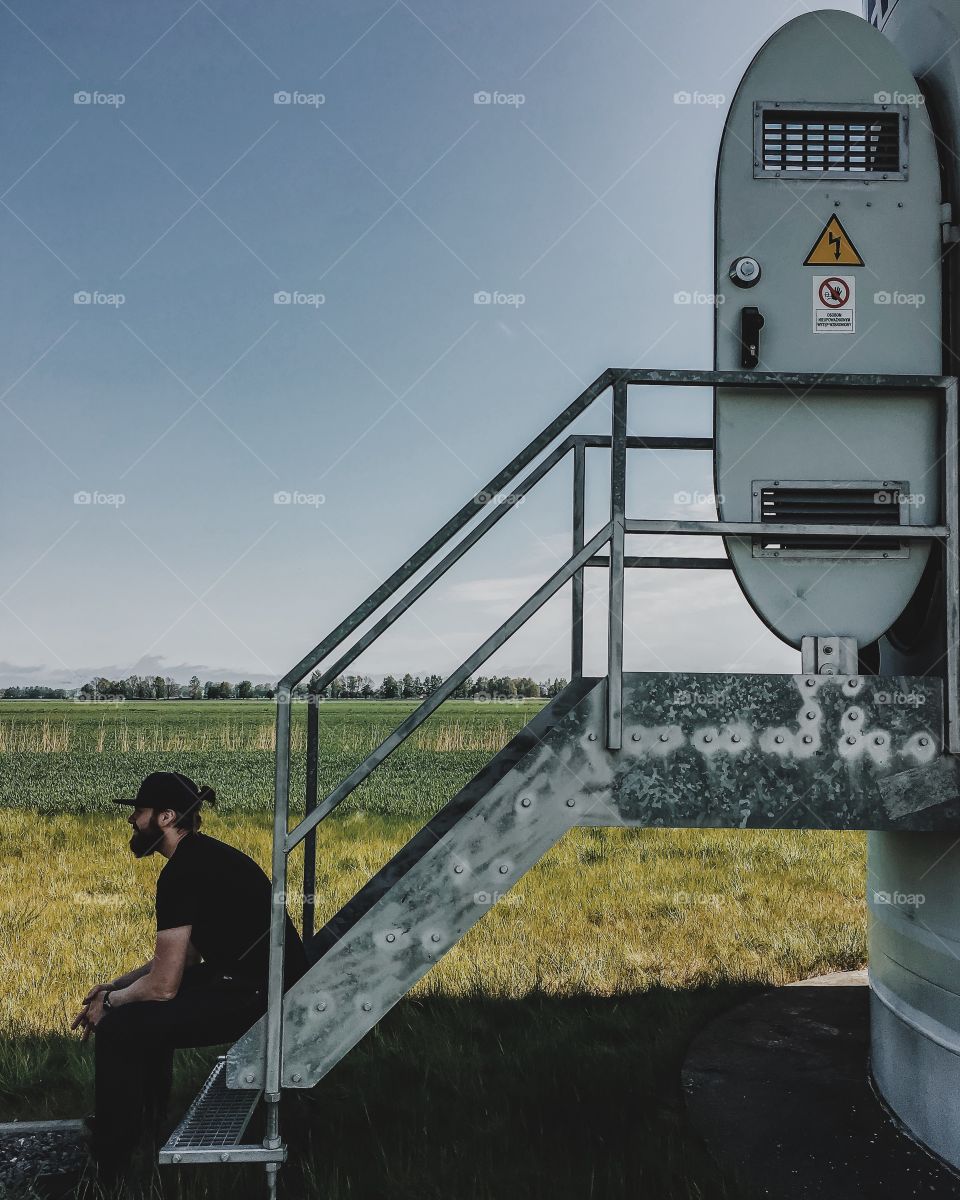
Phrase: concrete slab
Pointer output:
(779, 1089)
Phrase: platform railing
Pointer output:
(584, 555)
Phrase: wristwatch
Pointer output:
(106, 998)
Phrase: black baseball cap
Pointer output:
(169, 789)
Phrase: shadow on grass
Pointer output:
(472, 1099)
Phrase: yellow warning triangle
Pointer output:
(833, 248)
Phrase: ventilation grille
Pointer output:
(825, 142)
(823, 504)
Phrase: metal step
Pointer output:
(214, 1124)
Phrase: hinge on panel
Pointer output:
(949, 231)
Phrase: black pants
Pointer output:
(134, 1052)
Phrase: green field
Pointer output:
(540, 1058)
(58, 756)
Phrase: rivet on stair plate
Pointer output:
(296, 1078)
(591, 737)
(367, 1006)
(434, 937)
(571, 803)
(504, 869)
(458, 869)
(391, 937)
(525, 802)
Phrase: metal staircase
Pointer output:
(571, 765)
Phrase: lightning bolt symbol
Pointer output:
(834, 241)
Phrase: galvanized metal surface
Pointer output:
(729, 751)
(788, 751)
(664, 562)
(887, 381)
(501, 826)
(618, 494)
(906, 533)
(579, 506)
(447, 688)
(278, 908)
(527, 739)
(310, 803)
(213, 1126)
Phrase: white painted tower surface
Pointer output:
(844, 139)
(913, 886)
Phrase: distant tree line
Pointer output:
(344, 687)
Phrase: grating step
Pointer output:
(214, 1124)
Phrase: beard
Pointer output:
(147, 841)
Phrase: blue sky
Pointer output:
(153, 169)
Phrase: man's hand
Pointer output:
(97, 988)
(92, 1011)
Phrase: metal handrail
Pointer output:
(443, 535)
(574, 442)
(901, 533)
(442, 567)
(448, 687)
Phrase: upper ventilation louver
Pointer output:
(854, 142)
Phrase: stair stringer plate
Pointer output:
(554, 787)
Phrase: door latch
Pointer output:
(751, 322)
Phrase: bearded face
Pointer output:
(146, 839)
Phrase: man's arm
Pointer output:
(161, 979)
(120, 981)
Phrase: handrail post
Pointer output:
(278, 913)
(310, 803)
(618, 476)
(579, 498)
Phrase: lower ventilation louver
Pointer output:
(819, 502)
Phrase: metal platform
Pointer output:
(214, 1124)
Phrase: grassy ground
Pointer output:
(540, 1058)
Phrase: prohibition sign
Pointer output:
(834, 292)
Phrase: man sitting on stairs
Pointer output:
(206, 982)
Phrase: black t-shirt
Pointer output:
(225, 896)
